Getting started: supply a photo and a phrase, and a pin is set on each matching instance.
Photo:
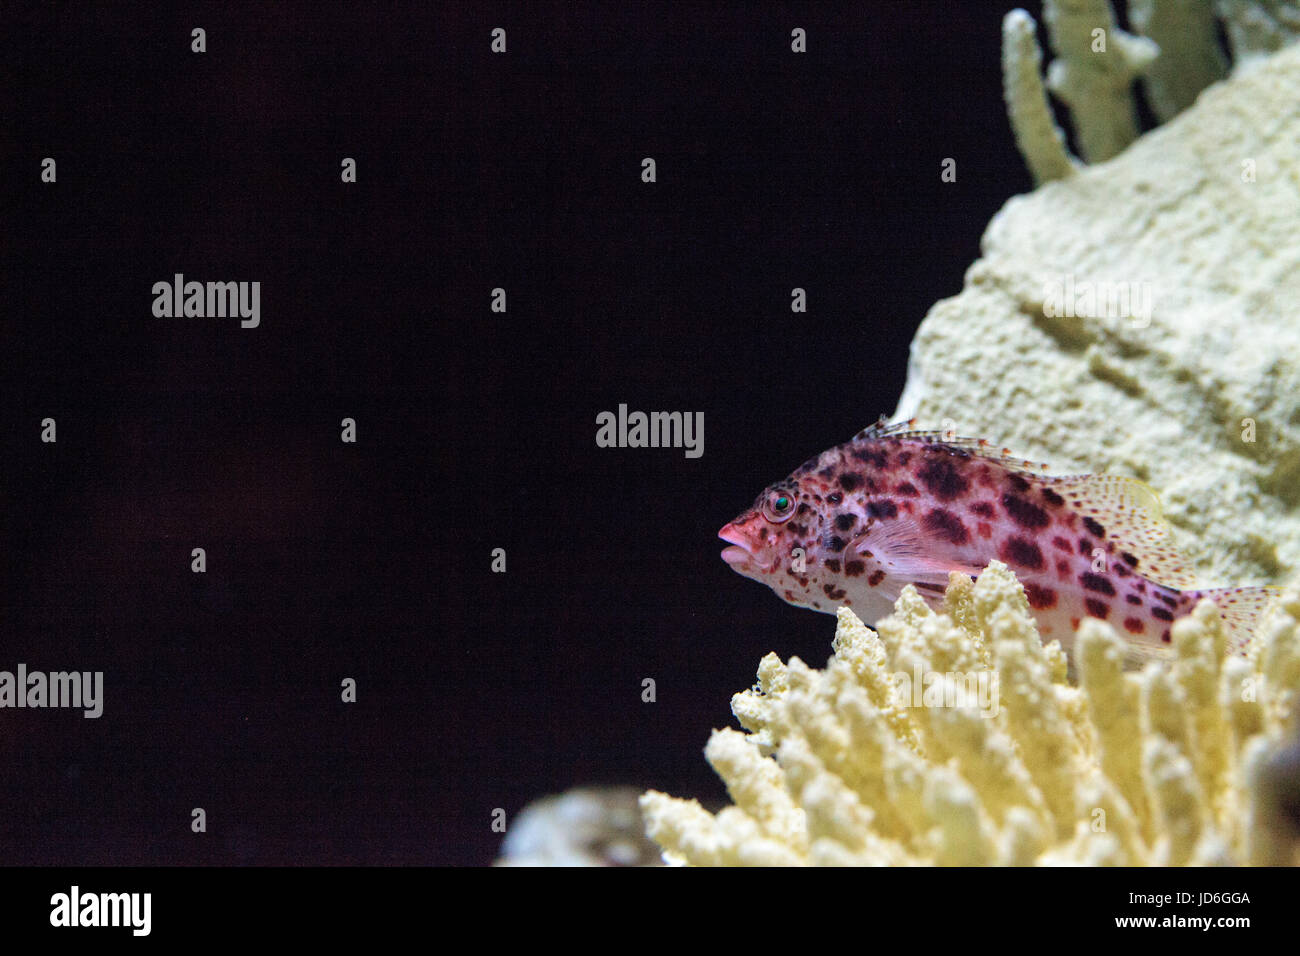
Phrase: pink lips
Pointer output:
(739, 554)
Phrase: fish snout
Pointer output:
(742, 555)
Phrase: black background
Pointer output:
(476, 430)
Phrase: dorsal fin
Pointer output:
(1129, 512)
(978, 447)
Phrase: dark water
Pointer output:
(476, 430)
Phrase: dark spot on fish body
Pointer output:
(1165, 636)
(1172, 602)
(943, 479)
(1163, 613)
(882, 508)
(804, 508)
(1061, 544)
(1085, 547)
(1022, 553)
(797, 528)
(854, 568)
(833, 565)
(927, 586)
(836, 543)
(1052, 498)
(903, 458)
(1095, 582)
(1128, 559)
(1132, 599)
(876, 577)
(874, 456)
(1140, 587)
(850, 480)
(1096, 607)
(1133, 625)
(946, 525)
(1024, 513)
(1017, 482)
(832, 592)
(985, 529)
(1040, 598)
(907, 488)
(846, 521)
(762, 533)
(983, 508)
(1122, 570)
(1094, 529)
(827, 471)
(1063, 569)
(835, 497)
(807, 466)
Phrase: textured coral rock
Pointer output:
(855, 765)
(1051, 350)
(586, 826)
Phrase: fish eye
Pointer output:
(779, 508)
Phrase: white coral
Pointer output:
(840, 766)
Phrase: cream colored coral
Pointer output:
(1259, 27)
(1093, 73)
(1199, 398)
(1190, 58)
(1040, 140)
(840, 766)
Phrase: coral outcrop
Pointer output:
(956, 738)
(1142, 317)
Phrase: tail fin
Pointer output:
(1241, 610)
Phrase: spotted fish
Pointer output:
(894, 507)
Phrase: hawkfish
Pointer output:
(893, 506)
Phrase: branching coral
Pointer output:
(857, 765)
(1259, 27)
(1190, 58)
(1093, 73)
(1041, 141)
(1175, 49)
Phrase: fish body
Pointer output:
(859, 522)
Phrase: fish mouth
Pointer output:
(740, 555)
